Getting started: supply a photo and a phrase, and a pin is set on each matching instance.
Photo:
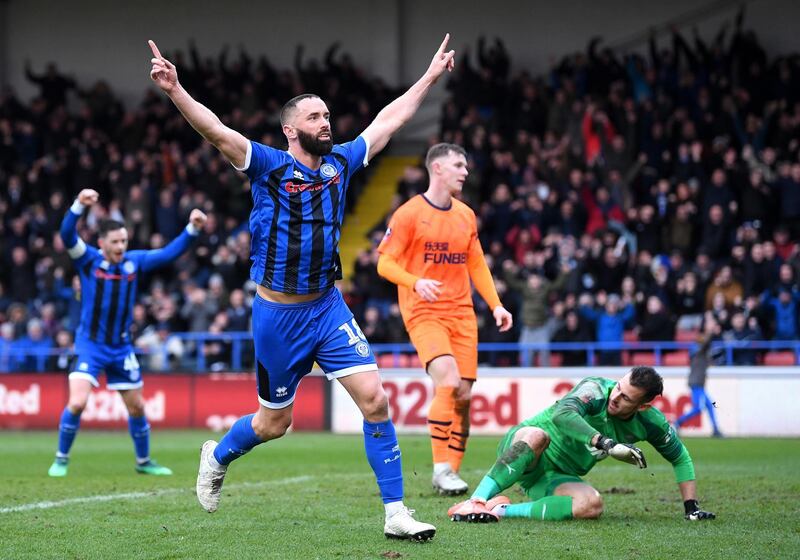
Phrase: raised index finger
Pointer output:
(154, 48)
(443, 46)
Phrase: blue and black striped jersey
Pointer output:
(297, 216)
(108, 291)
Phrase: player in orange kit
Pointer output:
(431, 251)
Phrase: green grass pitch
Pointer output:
(313, 496)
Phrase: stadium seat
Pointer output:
(642, 359)
(784, 358)
(413, 361)
(677, 358)
(686, 336)
(630, 336)
(385, 361)
(556, 360)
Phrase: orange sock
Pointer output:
(440, 420)
(458, 435)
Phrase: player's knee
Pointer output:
(588, 507)
(76, 407)
(375, 408)
(274, 428)
(444, 372)
(536, 438)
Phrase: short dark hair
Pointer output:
(288, 109)
(442, 150)
(109, 225)
(645, 377)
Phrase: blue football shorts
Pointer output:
(119, 363)
(289, 338)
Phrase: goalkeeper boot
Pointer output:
(448, 483)
(472, 511)
(59, 467)
(209, 477)
(151, 467)
(401, 525)
(498, 505)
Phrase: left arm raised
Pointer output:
(172, 250)
(399, 112)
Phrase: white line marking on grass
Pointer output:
(138, 495)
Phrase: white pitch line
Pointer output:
(137, 495)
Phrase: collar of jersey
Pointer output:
(442, 208)
(305, 167)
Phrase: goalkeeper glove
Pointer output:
(622, 451)
(694, 513)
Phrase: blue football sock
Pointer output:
(383, 454)
(140, 433)
(67, 430)
(240, 439)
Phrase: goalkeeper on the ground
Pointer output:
(547, 454)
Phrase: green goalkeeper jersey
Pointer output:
(574, 420)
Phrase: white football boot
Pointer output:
(209, 479)
(448, 483)
(401, 525)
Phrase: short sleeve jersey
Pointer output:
(297, 215)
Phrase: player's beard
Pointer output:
(313, 145)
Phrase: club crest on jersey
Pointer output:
(362, 349)
(128, 267)
(327, 170)
(388, 232)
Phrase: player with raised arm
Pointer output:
(431, 251)
(547, 454)
(299, 316)
(109, 277)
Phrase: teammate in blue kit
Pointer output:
(109, 277)
(299, 317)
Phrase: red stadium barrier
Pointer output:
(180, 400)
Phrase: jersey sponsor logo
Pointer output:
(327, 170)
(439, 253)
(100, 275)
(292, 187)
(362, 349)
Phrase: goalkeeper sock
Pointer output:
(487, 489)
(67, 430)
(240, 439)
(549, 508)
(140, 434)
(440, 421)
(383, 455)
(512, 464)
(458, 435)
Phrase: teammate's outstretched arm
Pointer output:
(398, 112)
(76, 247)
(159, 257)
(231, 143)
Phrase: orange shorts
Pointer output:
(442, 336)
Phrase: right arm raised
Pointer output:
(232, 144)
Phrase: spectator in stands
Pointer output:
(786, 313)
(537, 324)
(32, 350)
(573, 330)
(7, 336)
(688, 302)
(656, 323)
(743, 330)
(725, 284)
(610, 320)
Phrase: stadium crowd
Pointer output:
(618, 197)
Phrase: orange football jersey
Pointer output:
(435, 243)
